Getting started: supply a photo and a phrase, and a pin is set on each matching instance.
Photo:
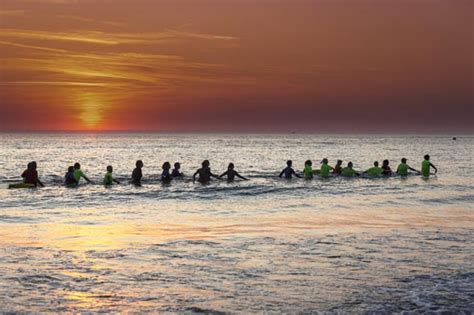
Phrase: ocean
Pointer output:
(265, 245)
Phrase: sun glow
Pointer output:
(91, 110)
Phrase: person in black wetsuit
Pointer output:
(69, 179)
(288, 171)
(204, 173)
(231, 173)
(30, 175)
(387, 171)
(176, 173)
(137, 173)
(166, 175)
(338, 168)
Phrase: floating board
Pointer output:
(21, 185)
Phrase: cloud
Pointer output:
(12, 13)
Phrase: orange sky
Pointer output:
(237, 65)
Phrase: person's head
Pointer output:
(177, 165)
(110, 169)
(32, 165)
(139, 164)
(166, 166)
(70, 169)
(339, 162)
(376, 163)
(77, 166)
(350, 164)
(385, 162)
(308, 163)
(205, 163)
(325, 161)
(231, 166)
(427, 157)
(404, 160)
(289, 163)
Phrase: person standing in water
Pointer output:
(231, 173)
(78, 173)
(374, 171)
(325, 168)
(403, 168)
(30, 175)
(426, 165)
(166, 175)
(337, 170)
(348, 171)
(204, 173)
(69, 179)
(386, 170)
(176, 170)
(308, 170)
(288, 171)
(108, 178)
(137, 173)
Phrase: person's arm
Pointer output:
(240, 176)
(412, 169)
(85, 177)
(40, 183)
(194, 175)
(223, 174)
(294, 173)
(116, 181)
(281, 174)
(436, 170)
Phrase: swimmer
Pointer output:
(166, 175)
(108, 178)
(426, 165)
(374, 171)
(308, 170)
(325, 168)
(69, 179)
(386, 170)
(176, 170)
(30, 175)
(338, 168)
(403, 168)
(137, 173)
(204, 173)
(78, 173)
(348, 171)
(231, 173)
(288, 171)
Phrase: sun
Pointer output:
(91, 110)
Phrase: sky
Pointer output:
(237, 65)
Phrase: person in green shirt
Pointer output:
(374, 171)
(348, 171)
(425, 166)
(403, 168)
(325, 168)
(108, 178)
(78, 173)
(308, 170)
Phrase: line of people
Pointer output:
(338, 170)
(204, 174)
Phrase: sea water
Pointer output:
(263, 245)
